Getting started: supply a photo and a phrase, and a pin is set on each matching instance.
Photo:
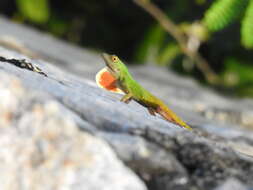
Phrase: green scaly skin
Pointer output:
(135, 91)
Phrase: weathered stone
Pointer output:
(232, 184)
(42, 147)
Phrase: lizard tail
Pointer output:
(169, 115)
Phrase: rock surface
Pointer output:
(55, 130)
(42, 148)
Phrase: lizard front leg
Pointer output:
(127, 98)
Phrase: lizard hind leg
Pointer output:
(151, 111)
(165, 115)
(172, 117)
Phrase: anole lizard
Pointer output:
(116, 78)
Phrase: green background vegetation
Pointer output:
(125, 29)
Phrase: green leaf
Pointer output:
(36, 11)
(222, 13)
(247, 27)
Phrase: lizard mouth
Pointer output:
(109, 68)
(107, 59)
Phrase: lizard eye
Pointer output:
(114, 58)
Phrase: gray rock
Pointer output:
(232, 184)
(162, 154)
(42, 147)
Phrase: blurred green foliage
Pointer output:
(34, 10)
(247, 26)
(238, 76)
(224, 12)
(149, 47)
(122, 28)
(157, 47)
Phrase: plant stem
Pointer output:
(180, 37)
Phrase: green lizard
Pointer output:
(116, 78)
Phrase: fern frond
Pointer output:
(247, 27)
(222, 13)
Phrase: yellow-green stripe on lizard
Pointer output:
(116, 77)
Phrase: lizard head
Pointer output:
(114, 65)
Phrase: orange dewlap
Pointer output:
(106, 80)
